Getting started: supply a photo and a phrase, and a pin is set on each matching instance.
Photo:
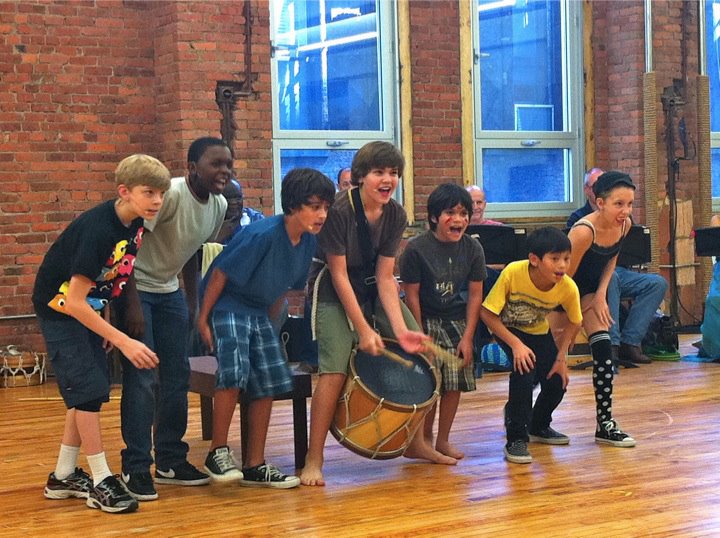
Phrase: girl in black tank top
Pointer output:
(596, 258)
(596, 242)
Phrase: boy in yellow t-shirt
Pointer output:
(515, 312)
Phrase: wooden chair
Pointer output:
(202, 382)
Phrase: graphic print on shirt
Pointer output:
(524, 311)
(444, 284)
(112, 279)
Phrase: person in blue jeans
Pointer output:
(154, 403)
(646, 290)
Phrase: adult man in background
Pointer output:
(646, 290)
(237, 215)
(344, 179)
(479, 205)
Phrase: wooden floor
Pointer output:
(669, 485)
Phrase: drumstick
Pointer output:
(397, 358)
(442, 354)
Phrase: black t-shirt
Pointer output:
(442, 269)
(96, 245)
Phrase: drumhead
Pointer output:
(393, 381)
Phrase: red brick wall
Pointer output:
(75, 98)
(436, 108)
(619, 66)
(86, 83)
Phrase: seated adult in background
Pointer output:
(344, 179)
(237, 215)
(479, 204)
(646, 290)
(710, 327)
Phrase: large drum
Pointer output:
(384, 402)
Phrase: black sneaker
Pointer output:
(548, 436)
(517, 452)
(268, 476)
(220, 465)
(111, 496)
(609, 433)
(78, 485)
(183, 474)
(140, 485)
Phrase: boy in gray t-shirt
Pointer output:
(157, 312)
(434, 268)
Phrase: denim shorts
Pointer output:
(78, 360)
(249, 355)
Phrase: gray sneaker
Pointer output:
(111, 496)
(517, 452)
(548, 436)
(220, 465)
(78, 484)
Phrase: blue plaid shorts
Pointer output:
(249, 355)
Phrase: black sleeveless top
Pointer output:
(593, 263)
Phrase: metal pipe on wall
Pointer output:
(648, 36)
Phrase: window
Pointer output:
(334, 86)
(528, 105)
(712, 35)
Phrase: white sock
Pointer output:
(67, 461)
(98, 467)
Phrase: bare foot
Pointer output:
(426, 452)
(311, 475)
(449, 450)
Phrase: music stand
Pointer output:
(502, 244)
(707, 241)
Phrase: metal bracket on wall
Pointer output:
(227, 92)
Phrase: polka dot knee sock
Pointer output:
(601, 351)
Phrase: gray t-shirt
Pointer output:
(183, 224)
(442, 269)
(339, 237)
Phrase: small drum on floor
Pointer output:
(22, 368)
(384, 402)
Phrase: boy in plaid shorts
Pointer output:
(244, 287)
(434, 268)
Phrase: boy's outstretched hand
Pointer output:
(413, 341)
(139, 354)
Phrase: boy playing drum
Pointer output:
(347, 287)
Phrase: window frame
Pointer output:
(388, 63)
(571, 139)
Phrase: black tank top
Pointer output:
(593, 263)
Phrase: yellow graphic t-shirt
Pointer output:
(521, 305)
